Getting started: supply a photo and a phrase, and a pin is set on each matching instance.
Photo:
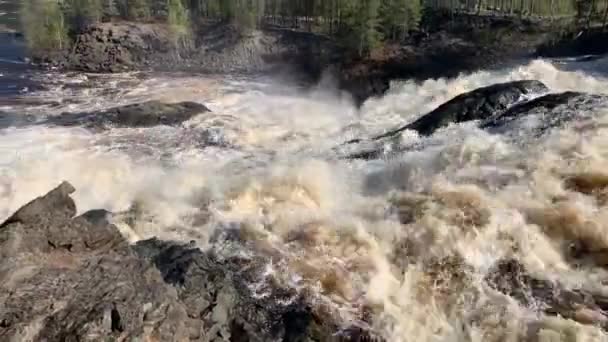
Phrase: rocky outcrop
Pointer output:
(511, 278)
(68, 278)
(146, 114)
(542, 113)
(109, 47)
(547, 104)
(500, 109)
(76, 278)
(479, 104)
(444, 47)
(215, 48)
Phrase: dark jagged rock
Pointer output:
(259, 308)
(553, 110)
(511, 278)
(499, 113)
(114, 47)
(67, 278)
(479, 104)
(146, 114)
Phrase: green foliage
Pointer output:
(178, 20)
(398, 17)
(43, 25)
(361, 18)
(359, 25)
(245, 13)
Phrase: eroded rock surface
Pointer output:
(76, 278)
(67, 278)
(511, 278)
(545, 112)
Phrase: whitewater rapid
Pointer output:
(358, 233)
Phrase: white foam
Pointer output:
(472, 194)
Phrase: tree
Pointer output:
(179, 21)
(43, 25)
(362, 20)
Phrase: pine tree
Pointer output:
(361, 17)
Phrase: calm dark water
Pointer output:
(14, 73)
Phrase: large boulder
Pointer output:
(479, 104)
(482, 104)
(232, 278)
(146, 114)
(75, 278)
(65, 278)
(545, 112)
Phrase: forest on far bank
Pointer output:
(359, 25)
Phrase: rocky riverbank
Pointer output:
(576, 43)
(445, 47)
(66, 277)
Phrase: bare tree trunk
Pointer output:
(590, 13)
(531, 7)
(605, 17)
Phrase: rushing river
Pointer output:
(265, 161)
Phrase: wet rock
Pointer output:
(545, 112)
(146, 114)
(479, 104)
(253, 307)
(511, 278)
(64, 278)
(75, 278)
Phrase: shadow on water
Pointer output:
(595, 65)
(13, 70)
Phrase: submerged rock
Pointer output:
(76, 278)
(146, 114)
(511, 278)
